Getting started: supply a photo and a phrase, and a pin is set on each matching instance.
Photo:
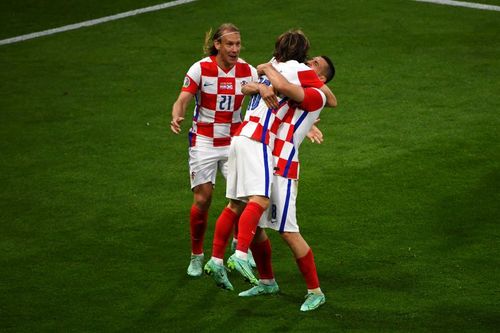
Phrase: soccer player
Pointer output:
(281, 215)
(215, 82)
(250, 164)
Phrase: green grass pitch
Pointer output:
(400, 204)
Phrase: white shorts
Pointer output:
(250, 169)
(204, 163)
(281, 214)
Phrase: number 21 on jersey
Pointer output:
(225, 102)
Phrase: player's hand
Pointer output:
(261, 69)
(250, 88)
(269, 96)
(315, 135)
(175, 124)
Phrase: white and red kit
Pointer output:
(217, 114)
(261, 123)
(281, 214)
(251, 174)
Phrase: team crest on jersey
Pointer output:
(226, 86)
(186, 82)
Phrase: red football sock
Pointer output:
(308, 269)
(223, 228)
(248, 224)
(198, 225)
(262, 255)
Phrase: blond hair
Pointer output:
(209, 47)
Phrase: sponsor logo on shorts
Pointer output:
(193, 174)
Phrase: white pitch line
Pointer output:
(93, 22)
(463, 4)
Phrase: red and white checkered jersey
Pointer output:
(293, 130)
(217, 113)
(262, 123)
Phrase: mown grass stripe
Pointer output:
(93, 22)
(463, 4)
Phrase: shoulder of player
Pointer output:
(242, 61)
(208, 59)
(201, 62)
(295, 65)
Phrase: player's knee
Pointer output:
(260, 236)
(202, 203)
(203, 200)
(265, 204)
(236, 206)
(261, 201)
(291, 237)
(287, 236)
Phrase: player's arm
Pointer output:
(281, 84)
(331, 100)
(179, 110)
(266, 93)
(291, 90)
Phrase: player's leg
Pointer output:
(224, 167)
(198, 224)
(305, 261)
(223, 227)
(202, 198)
(254, 167)
(203, 170)
(285, 221)
(248, 223)
(261, 248)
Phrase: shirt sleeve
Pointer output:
(255, 76)
(309, 78)
(192, 79)
(314, 100)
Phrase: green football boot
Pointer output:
(313, 301)
(243, 267)
(261, 289)
(251, 260)
(195, 267)
(219, 274)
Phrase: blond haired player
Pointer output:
(215, 83)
